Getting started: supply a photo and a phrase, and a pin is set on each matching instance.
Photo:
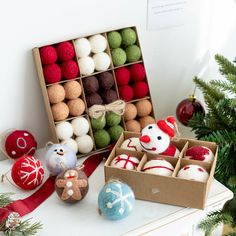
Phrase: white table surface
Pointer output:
(63, 219)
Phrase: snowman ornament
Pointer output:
(155, 138)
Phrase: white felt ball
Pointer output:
(132, 144)
(86, 65)
(158, 166)
(71, 143)
(199, 153)
(98, 43)
(85, 144)
(80, 126)
(193, 172)
(125, 162)
(64, 130)
(102, 61)
(82, 47)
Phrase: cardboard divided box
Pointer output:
(164, 189)
(81, 78)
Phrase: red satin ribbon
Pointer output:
(27, 205)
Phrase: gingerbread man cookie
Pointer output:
(72, 185)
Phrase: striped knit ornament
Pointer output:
(125, 161)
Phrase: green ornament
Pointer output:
(114, 39)
(118, 56)
(112, 118)
(133, 53)
(115, 132)
(98, 123)
(102, 138)
(129, 36)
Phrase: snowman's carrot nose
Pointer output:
(145, 139)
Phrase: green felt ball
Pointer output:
(115, 132)
(114, 39)
(112, 119)
(102, 138)
(118, 56)
(133, 53)
(98, 123)
(129, 36)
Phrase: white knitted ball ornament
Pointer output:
(125, 162)
(82, 47)
(132, 144)
(64, 130)
(98, 43)
(102, 61)
(85, 143)
(86, 65)
(71, 143)
(80, 126)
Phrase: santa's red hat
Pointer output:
(167, 126)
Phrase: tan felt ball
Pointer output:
(72, 89)
(130, 111)
(76, 107)
(146, 120)
(144, 107)
(60, 111)
(133, 125)
(56, 93)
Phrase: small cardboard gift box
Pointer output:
(164, 189)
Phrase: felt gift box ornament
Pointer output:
(155, 138)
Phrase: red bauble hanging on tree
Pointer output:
(187, 108)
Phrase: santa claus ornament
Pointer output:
(132, 144)
(199, 153)
(193, 172)
(158, 166)
(125, 161)
(19, 143)
(27, 172)
(72, 185)
(155, 138)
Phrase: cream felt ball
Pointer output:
(80, 126)
(193, 172)
(76, 107)
(133, 125)
(144, 107)
(82, 47)
(132, 144)
(102, 61)
(72, 89)
(56, 93)
(86, 65)
(125, 161)
(199, 153)
(98, 43)
(158, 166)
(85, 143)
(130, 111)
(64, 130)
(60, 111)
(71, 143)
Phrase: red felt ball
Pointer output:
(19, 143)
(27, 172)
(69, 69)
(140, 89)
(48, 54)
(122, 76)
(137, 72)
(126, 93)
(52, 73)
(65, 51)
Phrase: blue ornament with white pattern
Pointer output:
(116, 200)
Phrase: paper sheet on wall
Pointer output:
(163, 14)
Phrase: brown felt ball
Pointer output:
(144, 107)
(93, 99)
(130, 111)
(106, 80)
(76, 107)
(133, 125)
(56, 93)
(72, 89)
(60, 111)
(71, 185)
(146, 120)
(90, 84)
(109, 96)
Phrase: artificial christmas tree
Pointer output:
(219, 125)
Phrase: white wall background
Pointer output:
(172, 56)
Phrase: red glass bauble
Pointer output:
(187, 108)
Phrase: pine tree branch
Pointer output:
(225, 66)
(231, 233)
(224, 86)
(5, 199)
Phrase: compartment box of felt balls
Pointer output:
(183, 180)
(92, 70)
